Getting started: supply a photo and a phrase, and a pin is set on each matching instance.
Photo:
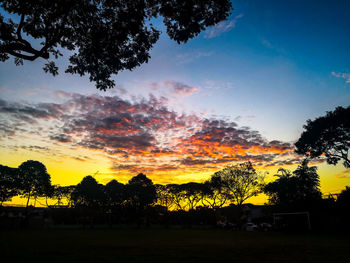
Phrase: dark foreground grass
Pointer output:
(169, 245)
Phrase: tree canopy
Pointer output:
(88, 193)
(104, 37)
(9, 185)
(141, 191)
(240, 182)
(34, 180)
(329, 135)
(62, 194)
(115, 193)
(344, 198)
(214, 193)
(295, 190)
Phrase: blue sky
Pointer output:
(271, 66)
(274, 62)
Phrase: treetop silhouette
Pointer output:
(88, 193)
(329, 135)
(239, 182)
(141, 191)
(9, 185)
(296, 190)
(34, 181)
(105, 37)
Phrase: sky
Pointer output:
(240, 91)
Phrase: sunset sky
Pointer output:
(242, 90)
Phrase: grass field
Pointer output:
(169, 245)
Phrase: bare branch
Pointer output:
(19, 29)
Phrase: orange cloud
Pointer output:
(144, 135)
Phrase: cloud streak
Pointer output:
(345, 76)
(222, 27)
(190, 57)
(172, 88)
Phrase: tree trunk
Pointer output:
(28, 200)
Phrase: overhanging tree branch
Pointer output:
(107, 36)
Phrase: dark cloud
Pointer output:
(292, 159)
(343, 175)
(35, 148)
(81, 158)
(6, 129)
(30, 113)
(229, 159)
(219, 138)
(113, 124)
(181, 88)
(137, 168)
(61, 137)
(280, 163)
(171, 87)
(116, 151)
(280, 145)
(192, 161)
(143, 134)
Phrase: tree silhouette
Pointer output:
(164, 196)
(240, 182)
(344, 197)
(88, 193)
(105, 37)
(309, 180)
(34, 180)
(343, 204)
(140, 191)
(282, 191)
(295, 190)
(178, 195)
(213, 194)
(343, 200)
(115, 193)
(9, 184)
(192, 194)
(329, 135)
(62, 194)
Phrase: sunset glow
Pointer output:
(238, 92)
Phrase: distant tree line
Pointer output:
(232, 186)
(131, 202)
